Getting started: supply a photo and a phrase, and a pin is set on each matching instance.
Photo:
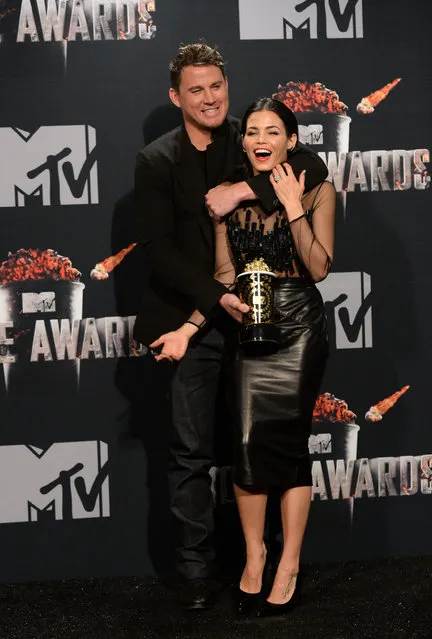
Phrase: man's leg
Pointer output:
(194, 390)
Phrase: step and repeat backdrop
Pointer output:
(84, 416)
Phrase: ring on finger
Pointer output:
(277, 177)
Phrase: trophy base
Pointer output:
(259, 339)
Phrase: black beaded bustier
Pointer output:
(252, 236)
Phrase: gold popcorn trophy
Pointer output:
(258, 333)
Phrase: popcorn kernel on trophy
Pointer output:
(258, 335)
(39, 285)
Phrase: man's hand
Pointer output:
(174, 344)
(233, 306)
(223, 199)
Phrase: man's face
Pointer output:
(202, 96)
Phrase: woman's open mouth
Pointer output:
(262, 155)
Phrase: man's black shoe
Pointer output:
(199, 594)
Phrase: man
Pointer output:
(173, 176)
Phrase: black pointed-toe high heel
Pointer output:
(268, 609)
(248, 603)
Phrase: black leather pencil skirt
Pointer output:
(276, 393)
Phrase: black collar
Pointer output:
(185, 144)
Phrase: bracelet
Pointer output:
(298, 218)
(193, 324)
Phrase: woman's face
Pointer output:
(265, 141)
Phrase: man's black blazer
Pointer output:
(175, 228)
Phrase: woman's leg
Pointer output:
(252, 510)
(295, 505)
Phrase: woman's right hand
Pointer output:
(174, 344)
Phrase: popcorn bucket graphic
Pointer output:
(332, 446)
(333, 451)
(335, 440)
(322, 119)
(324, 131)
(22, 303)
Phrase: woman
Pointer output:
(276, 392)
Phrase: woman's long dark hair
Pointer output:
(281, 110)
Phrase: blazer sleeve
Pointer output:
(156, 229)
(302, 158)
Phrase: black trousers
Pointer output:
(194, 392)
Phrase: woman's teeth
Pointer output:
(262, 154)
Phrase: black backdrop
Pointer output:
(82, 438)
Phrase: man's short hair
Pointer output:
(197, 54)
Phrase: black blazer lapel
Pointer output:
(226, 160)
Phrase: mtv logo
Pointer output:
(348, 302)
(52, 166)
(311, 133)
(321, 444)
(287, 19)
(67, 481)
(38, 302)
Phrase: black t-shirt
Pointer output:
(198, 165)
